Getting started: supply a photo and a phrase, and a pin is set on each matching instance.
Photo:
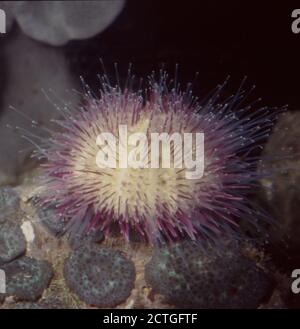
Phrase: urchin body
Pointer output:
(158, 203)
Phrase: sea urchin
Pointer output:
(160, 204)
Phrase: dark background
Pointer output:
(214, 38)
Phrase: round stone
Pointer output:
(27, 278)
(99, 276)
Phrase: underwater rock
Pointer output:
(99, 276)
(39, 68)
(93, 236)
(57, 22)
(281, 191)
(56, 226)
(12, 242)
(49, 219)
(9, 202)
(27, 278)
(190, 276)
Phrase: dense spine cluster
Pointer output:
(158, 204)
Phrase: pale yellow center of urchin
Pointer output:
(134, 193)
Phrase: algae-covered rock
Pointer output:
(99, 276)
(9, 202)
(27, 278)
(12, 242)
(189, 276)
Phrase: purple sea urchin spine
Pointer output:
(159, 204)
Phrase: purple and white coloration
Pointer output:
(158, 204)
